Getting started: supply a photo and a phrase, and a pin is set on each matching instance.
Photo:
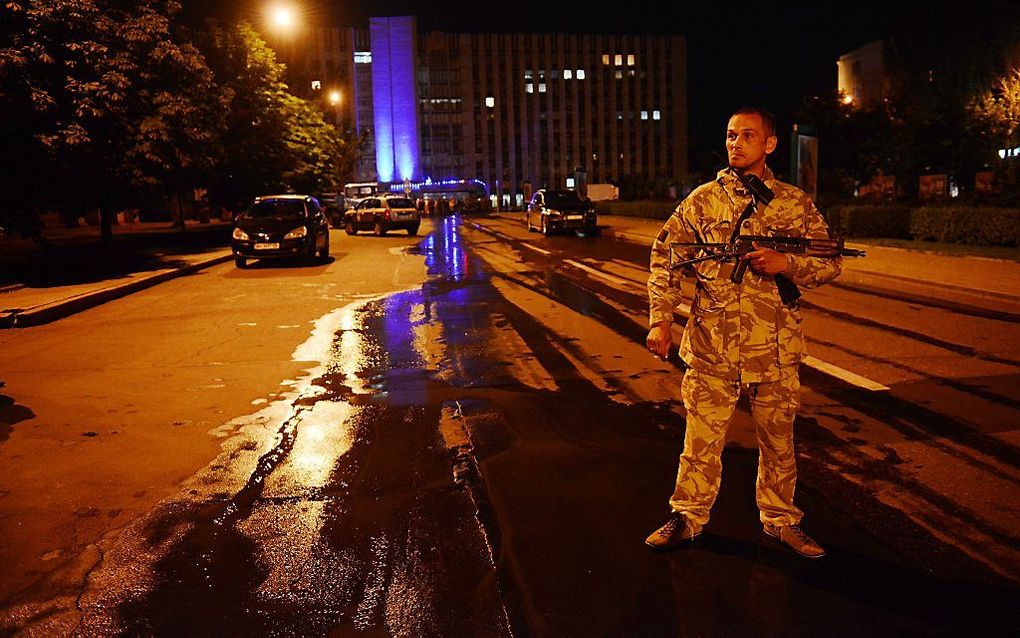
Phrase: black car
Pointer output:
(555, 210)
(281, 226)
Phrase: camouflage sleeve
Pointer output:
(663, 283)
(810, 272)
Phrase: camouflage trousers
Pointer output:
(710, 401)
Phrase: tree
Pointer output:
(995, 124)
(177, 143)
(274, 141)
(105, 99)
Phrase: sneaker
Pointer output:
(676, 531)
(794, 538)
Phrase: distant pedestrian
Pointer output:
(741, 337)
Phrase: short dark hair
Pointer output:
(767, 119)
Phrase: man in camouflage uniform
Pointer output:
(740, 337)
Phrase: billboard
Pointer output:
(807, 164)
(933, 186)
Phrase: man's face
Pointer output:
(747, 144)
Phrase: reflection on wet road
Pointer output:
(451, 471)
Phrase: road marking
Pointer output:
(845, 375)
(536, 248)
(598, 273)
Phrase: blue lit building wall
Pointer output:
(393, 99)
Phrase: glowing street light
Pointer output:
(334, 97)
(282, 17)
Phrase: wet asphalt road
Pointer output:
(429, 480)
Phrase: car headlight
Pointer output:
(552, 212)
(240, 235)
(297, 233)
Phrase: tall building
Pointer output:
(518, 111)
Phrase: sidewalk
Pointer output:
(73, 271)
(985, 286)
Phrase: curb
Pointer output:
(11, 288)
(54, 310)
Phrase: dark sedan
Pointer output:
(558, 210)
(277, 226)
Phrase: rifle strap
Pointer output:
(788, 291)
(747, 212)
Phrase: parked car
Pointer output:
(557, 210)
(383, 213)
(280, 226)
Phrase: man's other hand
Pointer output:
(659, 339)
(766, 261)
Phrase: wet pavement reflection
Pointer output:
(366, 514)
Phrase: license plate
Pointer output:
(267, 246)
(575, 217)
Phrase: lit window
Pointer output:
(316, 85)
(362, 57)
(568, 74)
(490, 102)
(619, 74)
(618, 59)
(529, 88)
(580, 74)
(644, 115)
(630, 60)
(656, 115)
(541, 87)
(570, 182)
(527, 74)
(605, 58)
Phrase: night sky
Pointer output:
(740, 53)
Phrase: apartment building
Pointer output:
(517, 111)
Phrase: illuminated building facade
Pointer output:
(518, 111)
(861, 75)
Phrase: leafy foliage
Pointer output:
(108, 104)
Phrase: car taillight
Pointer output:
(387, 214)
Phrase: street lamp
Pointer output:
(334, 97)
(283, 18)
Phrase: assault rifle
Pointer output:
(740, 245)
(743, 244)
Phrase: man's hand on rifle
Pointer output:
(765, 261)
(659, 339)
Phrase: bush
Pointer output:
(647, 209)
(986, 225)
(891, 222)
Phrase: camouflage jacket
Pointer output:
(738, 331)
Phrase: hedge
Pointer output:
(891, 222)
(981, 225)
(643, 208)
